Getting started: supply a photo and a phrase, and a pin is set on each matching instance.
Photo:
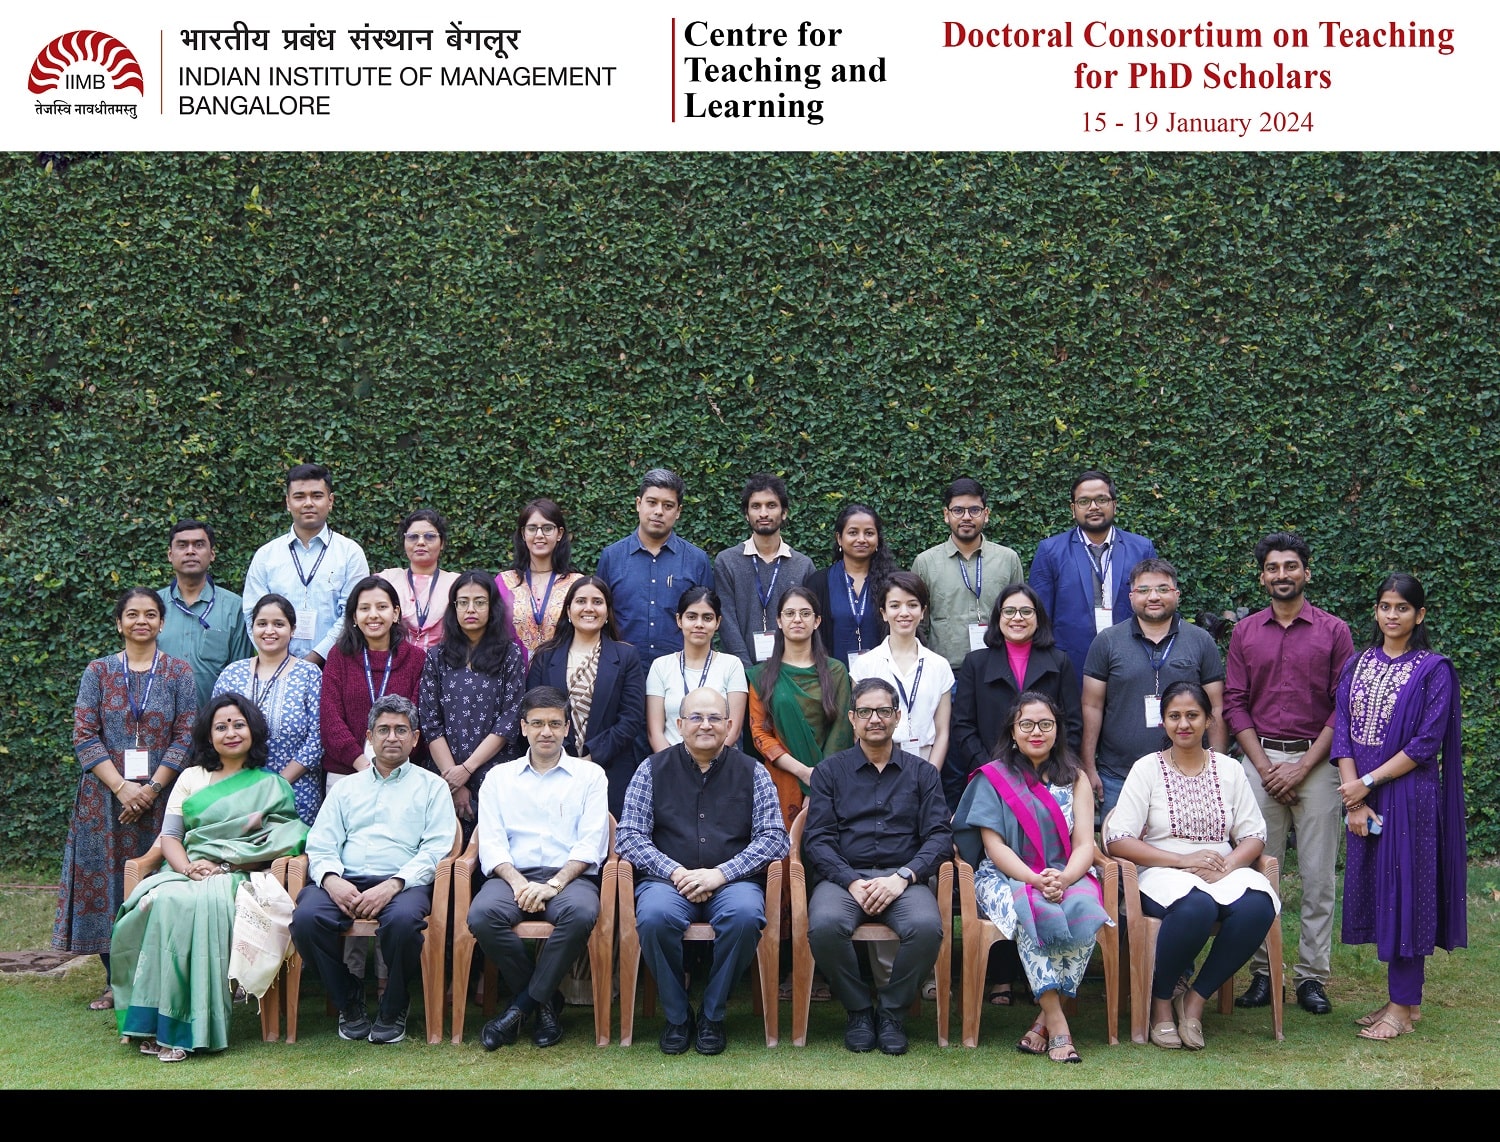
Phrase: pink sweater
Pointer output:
(344, 708)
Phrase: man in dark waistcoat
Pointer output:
(701, 823)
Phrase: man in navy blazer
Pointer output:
(1083, 575)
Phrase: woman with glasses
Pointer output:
(421, 588)
(1026, 822)
(798, 701)
(673, 676)
(540, 573)
(470, 693)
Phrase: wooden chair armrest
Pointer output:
(139, 868)
(945, 873)
(625, 893)
(968, 905)
(1270, 868)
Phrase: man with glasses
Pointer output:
(964, 574)
(1128, 667)
(701, 824)
(543, 834)
(372, 854)
(877, 829)
(1082, 574)
(203, 624)
(751, 579)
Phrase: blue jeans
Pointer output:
(1112, 787)
(662, 914)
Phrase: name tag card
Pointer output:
(307, 622)
(765, 642)
(976, 635)
(1153, 710)
(855, 656)
(1104, 618)
(137, 764)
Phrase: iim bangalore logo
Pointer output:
(85, 64)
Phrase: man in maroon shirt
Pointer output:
(1283, 670)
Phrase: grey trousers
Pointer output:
(832, 916)
(572, 913)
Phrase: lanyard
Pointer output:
(682, 669)
(765, 595)
(539, 610)
(370, 677)
(977, 587)
(202, 619)
(307, 579)
(858, 605)
(1158, 663)
(422, 612)
(916, 684)
(1102, 563)
(258, 692)
(137, 710)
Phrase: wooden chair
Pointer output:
(802, 955)
(1142, 931)
(433, 944)
(980, 935)
(149, 863)
(601, 942)
(767, 956)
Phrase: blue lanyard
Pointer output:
(978, 585)
(1158, 663)
(539, 610)
(307, 579)
(916, 684)
(765, 596)
(682, 669)
(183, 607)
(1102, 564)
(258, 693)
(422, 612)
(858, 606)
(370, 676)
(137, 710)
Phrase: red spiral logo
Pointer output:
(75, 47)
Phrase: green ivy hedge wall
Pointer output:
(1247, 341)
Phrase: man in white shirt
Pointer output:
(372, 854)
(543, 833)
(312, 565)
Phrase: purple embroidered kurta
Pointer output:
(1404, 887)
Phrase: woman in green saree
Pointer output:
(227, 815)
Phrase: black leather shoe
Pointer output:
(891, 1035)
(711, 1039)
(1313, 998)
(502, 1031)
(677, 1037)
(548, 1029)
(859, 1031)
(1258, 994)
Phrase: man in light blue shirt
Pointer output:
(649, 569)
(543, 833)
(203, 624)
(312, 565)
(372, 854)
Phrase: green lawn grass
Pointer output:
(50, 1040)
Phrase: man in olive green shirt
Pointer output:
(202, 623)
(964, 575)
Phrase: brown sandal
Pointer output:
(1387, 1020)
(1063, 1043)
(1374, 1017)
(1034, 1042)
(105, 1002)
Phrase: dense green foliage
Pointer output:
(1248, 342)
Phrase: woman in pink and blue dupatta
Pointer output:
(1030, 815)
(1397, 743)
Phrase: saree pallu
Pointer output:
(171, 942)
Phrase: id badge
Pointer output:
(855, 656)
(976, 635)
(765, 642)
(137, 764)
(1104, 618)
(307, 623)
(1153, 711)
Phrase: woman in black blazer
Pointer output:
(603, 679)
(1019, 635)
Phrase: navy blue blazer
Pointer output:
(1063, 576)
(616, 717)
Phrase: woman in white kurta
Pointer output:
(673, 676)
(922, 677)
(1188, 818)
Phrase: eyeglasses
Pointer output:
(705, 719)
(1147, 592)
(471, 604)
(392, 731)
(421, 536)
(964, 513)
(542, 529)
(1046, 725)
(1018, 612)
(536, 724)
(884, 713)
(804, 615)
(1093, 501)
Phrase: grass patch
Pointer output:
(53, 1041)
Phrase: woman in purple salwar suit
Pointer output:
(1396, 741)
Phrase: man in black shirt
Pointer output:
(877, 829)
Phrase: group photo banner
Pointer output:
(466, 76)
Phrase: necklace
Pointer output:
(1172, 757)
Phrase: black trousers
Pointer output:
(318, 929)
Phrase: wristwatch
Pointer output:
(555, 884)
(155, 784)
(907, 875)
(1369, 780)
